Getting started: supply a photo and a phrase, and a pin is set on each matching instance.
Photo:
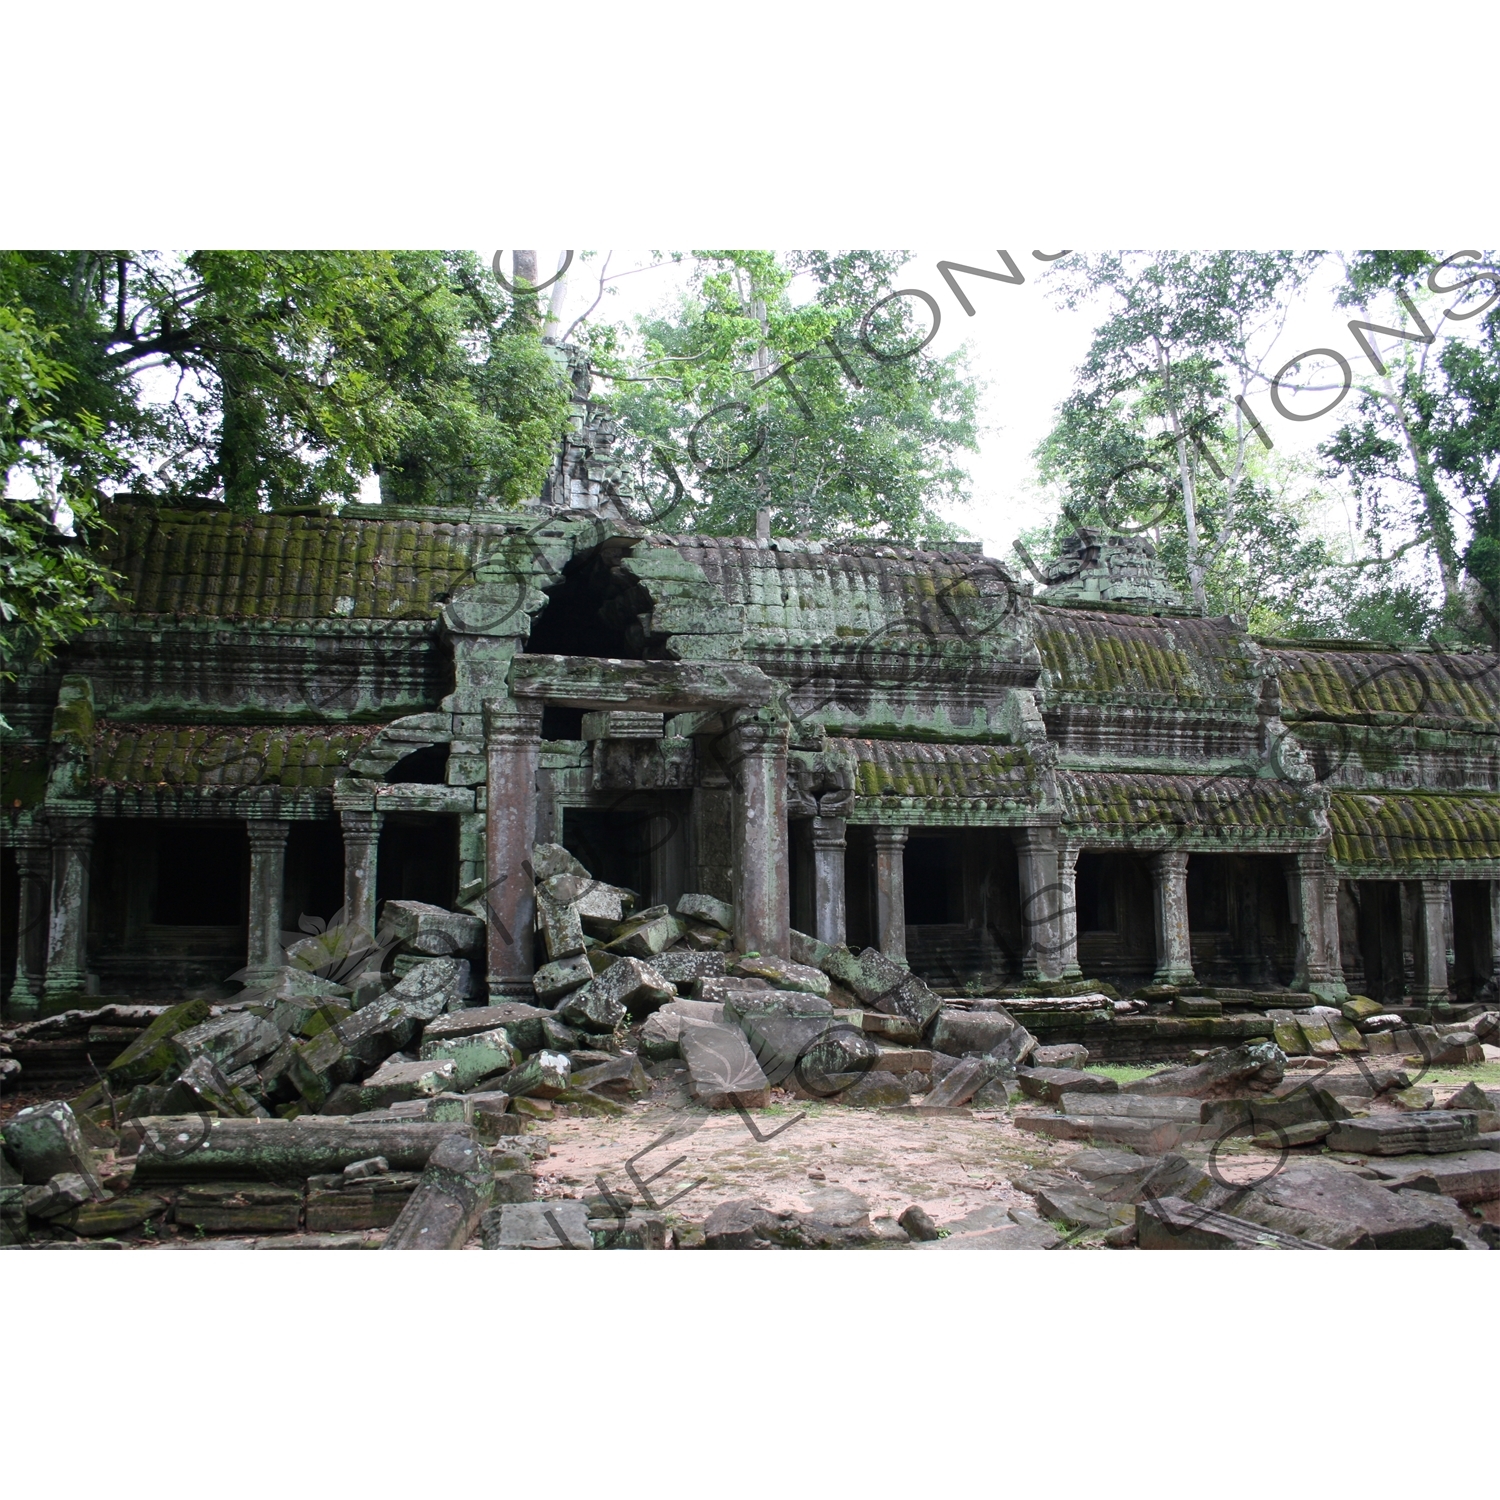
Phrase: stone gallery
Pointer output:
(565, 783)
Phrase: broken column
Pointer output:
(1333, 954)
(67, 937)
(890, 891)
(829, 840)
(1036, 859)
(1067, 912)
(34, 869)
(757, 754)
(1430, 898)
(267, 838)
(1174, 951)
(513, 739)
(361, 852)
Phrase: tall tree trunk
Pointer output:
(552, 327)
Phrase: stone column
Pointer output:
(829, 841)
(513, 742)
(1067, 912)
(267, 838)
(760, 870)
(361, 853)
(34, 867)
(68, 932)
(1174, 949)
(890, 890)
(1495, 930)
(1319, 970)
(1333, 950)
(1036, 858)
(1431, 985)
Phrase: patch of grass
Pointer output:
(1124, 1072)
(1455, 1075)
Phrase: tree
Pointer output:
(741, 398)
(1153, 432)
(1423, 446)
(49, 583)
(297, 373)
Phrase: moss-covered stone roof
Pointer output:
(1105, 656)
(1403, 829)
(1117, 805)
(845, 593)
(188, 564)
(961, 778)
(1386, 688)
(144, 756)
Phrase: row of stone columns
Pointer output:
(53, 866)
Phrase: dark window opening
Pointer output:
(202, 875)
(1473, 947)
(428, 766)
(1208, 880)
(314, 882)
(559, 723)
(593, 610)
(418, 858)
(613, 844)
(1094, 885)
(933, 881)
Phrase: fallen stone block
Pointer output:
(1315, 1033)
(444, 1209)
(1151, 1136)
(1398, 1135)
(561, 1224)
(781, 974)
(543, 1076)
(629, 985)
(229, 1042)
(721, 1067)
(1286, 1033)
(960, 1084)
(193, 1148)
(151, 1054)
(715, 991)
(521, 1022)
(1064, 1055)
(1079, 1209)
(917, 1222)
(44, 1139)
(960, 1032)
(1050, 1084)
(708, 910)
(436, 985)
(430, 929)
(895, 1029)
(1176, 1224)
(239, 1207)
(489, 1113)
(1132, 1106)
(634, 1231)
(1259, 1062)
(548, 860)
(619, 1078)
(115, 1215)
(658, 1039)
(681, 967)
(476, 1057)
(201, 1087)
(561, 926)
(1340, 1198)
(742, 1224)
(338, 1203)
(552, 981)
(876, 1090)
(59, 1195)
(645, 936)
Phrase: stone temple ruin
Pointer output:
(558, 770)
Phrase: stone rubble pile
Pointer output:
(385, 1109)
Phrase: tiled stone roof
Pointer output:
(188, 564)
(957, 779)
(1104, 655)
(1401, 830)
(144, 756)
(1391, 688)
(1119, 806)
